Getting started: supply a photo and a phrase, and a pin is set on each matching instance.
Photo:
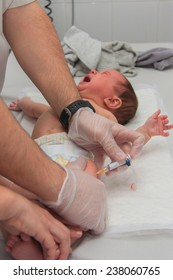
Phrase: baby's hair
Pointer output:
(129, 103)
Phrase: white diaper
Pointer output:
(60, 148)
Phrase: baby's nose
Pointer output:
(93, 71)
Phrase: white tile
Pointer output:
(125, 20)
(91, 17)
(95, 19)
(62, 18)
(136, 1)
(168, 1)
(135, 22)
(111, 1)
(165, 21)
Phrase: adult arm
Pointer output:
(23, 162)
(37, 48)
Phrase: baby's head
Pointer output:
(129, 105)
(112, 91)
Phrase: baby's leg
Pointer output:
(29, 107)
(91, 168)
(48, 123)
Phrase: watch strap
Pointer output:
(71, 109)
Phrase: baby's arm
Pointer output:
(155, 125)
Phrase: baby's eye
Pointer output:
(105, 73)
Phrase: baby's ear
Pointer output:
(113, 102)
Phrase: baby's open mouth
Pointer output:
(87, 79)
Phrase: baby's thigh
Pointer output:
(48, 123)
(91, 168)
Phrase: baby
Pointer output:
(106, 91)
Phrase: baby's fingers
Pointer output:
(168, 127)
(163, 117)
(165, 134)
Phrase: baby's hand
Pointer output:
(158, 125)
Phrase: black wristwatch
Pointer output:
(71, 109)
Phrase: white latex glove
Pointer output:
(98, 134)
(82, 199)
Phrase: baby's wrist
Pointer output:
(147, 134)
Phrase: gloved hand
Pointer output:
(98, 134)
(82, 199)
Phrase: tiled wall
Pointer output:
(126, 20)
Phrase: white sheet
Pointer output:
(140, 221)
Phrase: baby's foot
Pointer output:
(15, 105)
(24, 247)
(18, 104)
(27, 249)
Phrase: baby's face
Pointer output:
(99, 85)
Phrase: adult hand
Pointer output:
(22, 216)
(82, 199)
(99, 135)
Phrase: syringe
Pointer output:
(114, 165)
